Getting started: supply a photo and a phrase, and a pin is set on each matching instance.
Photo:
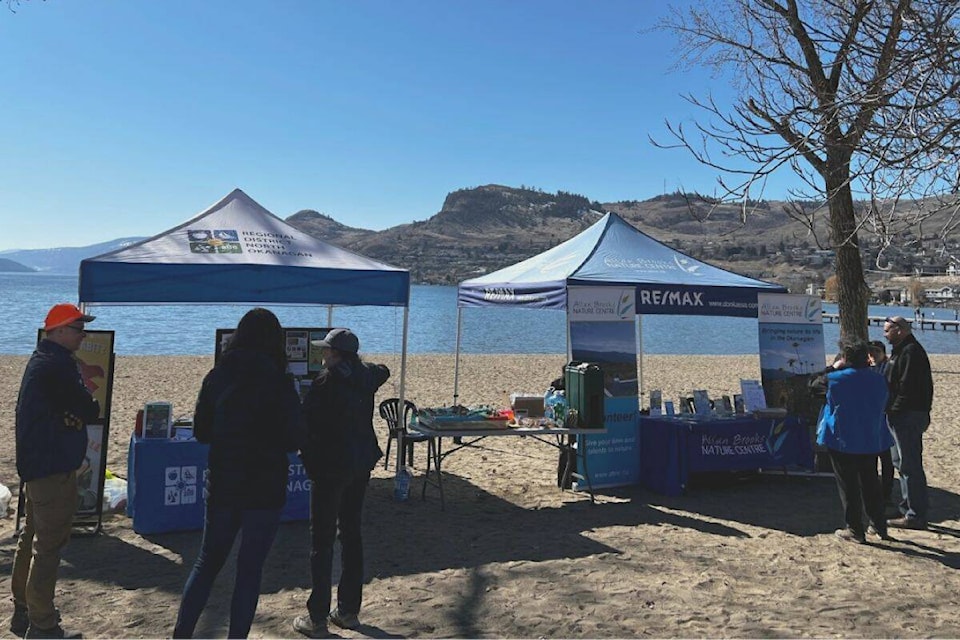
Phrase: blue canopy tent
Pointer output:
(613, 253)
(237, 252)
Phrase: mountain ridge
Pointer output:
(481, 229)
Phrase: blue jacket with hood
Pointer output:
(853, 418)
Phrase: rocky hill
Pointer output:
(482, 229)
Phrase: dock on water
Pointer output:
(922, 324)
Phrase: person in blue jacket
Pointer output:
(248, 411)
(853, 428)
(53, 410)
(340, 451)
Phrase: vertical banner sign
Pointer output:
(791, 347)
(96, 360)
(602, 330)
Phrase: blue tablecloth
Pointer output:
(165, 485)
(673, 448)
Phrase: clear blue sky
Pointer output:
(126, 118)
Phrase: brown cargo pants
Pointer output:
(50, 504)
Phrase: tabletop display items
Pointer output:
(656, 397)
(738, 403)
(157, 420)
(727, 405)
(753, 397)
(701, 402)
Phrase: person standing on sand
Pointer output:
(908, 413)
(249, 412)
(853, 428)
(878, 360)
(53, 410)
(340, 452)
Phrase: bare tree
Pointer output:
(856, 97)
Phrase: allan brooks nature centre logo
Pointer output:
(214, 241)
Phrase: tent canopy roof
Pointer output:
(238, 252)
(612, 252)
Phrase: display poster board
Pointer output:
(791, 347)
(303, 358)
(95, 360)
(602, 329)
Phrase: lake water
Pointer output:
(190, 330)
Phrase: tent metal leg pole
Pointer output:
(403, 389)
(640, 359)
(456, 359)
(330, 315)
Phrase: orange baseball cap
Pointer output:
(63, 314)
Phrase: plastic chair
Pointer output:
(389, 409)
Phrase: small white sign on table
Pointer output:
(753, 397)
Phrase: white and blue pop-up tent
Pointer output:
(237, 252)
(611, 252)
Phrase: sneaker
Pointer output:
(883, 535)
(19, 621)
(907, 523)
(850, 535)
(309, 628)
(55, 632)
(344, 620)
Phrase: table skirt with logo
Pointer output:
(165, 485)
(673, 448)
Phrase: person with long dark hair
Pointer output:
(249, 412)
(340, 451)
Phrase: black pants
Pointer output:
(336, 506)
(859, 487)
(886, 475)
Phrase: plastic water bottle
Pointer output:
(549, 400)
(401, 484)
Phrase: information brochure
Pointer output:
(753, 397)
(701, 402)
(656, 398)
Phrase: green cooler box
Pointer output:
(584, 389)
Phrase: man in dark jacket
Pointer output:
(908, 414)
(341, 450)
(53, 409)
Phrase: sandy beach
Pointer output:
(513, 556)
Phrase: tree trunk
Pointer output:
(853, 293)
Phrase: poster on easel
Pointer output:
(95, 360)
(602, 328)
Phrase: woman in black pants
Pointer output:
(340, 451)
(246, 395)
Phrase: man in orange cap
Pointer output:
(53, 409)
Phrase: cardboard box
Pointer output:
(532, 404)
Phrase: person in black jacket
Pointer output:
(53, 410)
(249, 412)
(908, 414)
(340, 451)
